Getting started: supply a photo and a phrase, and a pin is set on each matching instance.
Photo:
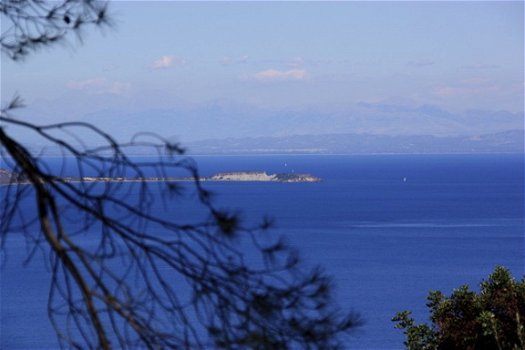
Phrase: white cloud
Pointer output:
(167, 61)
(118, 88)
(278, 75)
(99, 86)
(163, 62)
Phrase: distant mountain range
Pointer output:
(503, 142)
(227, 120)
(228, 128)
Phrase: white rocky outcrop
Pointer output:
(262, 176)
(243, 176)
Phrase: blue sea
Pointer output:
(387, 228)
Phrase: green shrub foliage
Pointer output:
(494, 318)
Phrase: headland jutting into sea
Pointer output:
(8, 177)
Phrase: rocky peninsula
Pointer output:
(8, 177)
(261, 176)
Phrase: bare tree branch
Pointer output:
(34, 24)
(184, 284)
(129, 267)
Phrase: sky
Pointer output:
(282, 56)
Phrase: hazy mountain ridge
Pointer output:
(229, 128)
(219, 122)
(503, 142)
(225, 120)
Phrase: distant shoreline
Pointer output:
(337, 154)
(189, 155)
(8, 178)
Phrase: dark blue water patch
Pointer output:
(381, 271)
(387, 228)
(391, 168)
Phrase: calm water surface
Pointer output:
(385, 241)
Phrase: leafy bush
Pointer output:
(494, 318)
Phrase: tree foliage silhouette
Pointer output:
(494, 318)
(34, 24)
(127, 269)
